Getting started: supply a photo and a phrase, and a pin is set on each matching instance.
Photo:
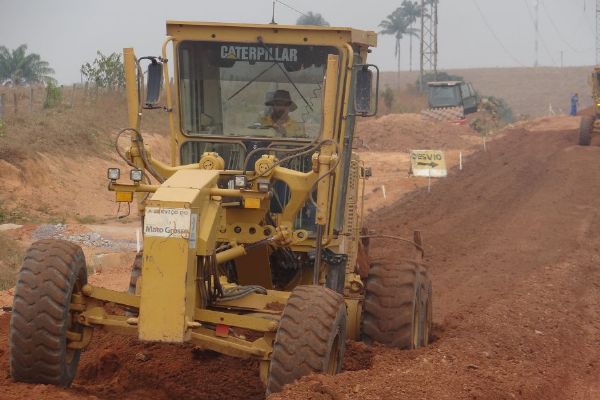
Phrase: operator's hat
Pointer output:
(281, 96)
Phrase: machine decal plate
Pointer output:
(168, 222)
(193, 229)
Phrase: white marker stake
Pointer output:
(484, 146)
(384, 193)
(429, 183)
(138, 245)
(460, 161)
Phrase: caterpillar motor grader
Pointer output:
(590, 124)
(253, 238)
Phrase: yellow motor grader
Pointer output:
(254, 245)
(590, 124)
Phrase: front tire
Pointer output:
(585, 130)
(311, 337)
(51, 272)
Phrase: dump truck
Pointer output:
(450, 101)
(589, 125)
(254, 242)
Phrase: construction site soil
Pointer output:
(513, 245)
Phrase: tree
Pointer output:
(395, 24)
(105, 71)
(19, 68)
(411, 10)
(312, 19)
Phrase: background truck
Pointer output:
(450, 101)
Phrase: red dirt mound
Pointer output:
(403, 132)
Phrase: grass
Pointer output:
(86, 219)
(12, 215)
(86, 128)
(11, 256)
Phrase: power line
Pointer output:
(558, 31)
(487, 24)
(533, 20)
(291, 8)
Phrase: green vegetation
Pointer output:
(400, 23)
(11, 256)
(494, 113)
(388, 98)
(53, 96)
(19, 68)
(2, 128)
(86, 219)
(312, 19)
(106, 71)
(13, 215)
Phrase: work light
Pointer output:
(113, 174)
(136, 175)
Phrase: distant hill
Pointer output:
(529, 91)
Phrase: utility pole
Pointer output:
(429, 39)
(537, 32)
(597, 31)
(273, 17)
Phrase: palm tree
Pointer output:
(395, 24)
(312, 19)
(411, 10)
(19, 68)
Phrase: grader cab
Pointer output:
(254, 244)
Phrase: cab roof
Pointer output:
(445, 83)
(302, 34)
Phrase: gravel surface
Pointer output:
(91, 239)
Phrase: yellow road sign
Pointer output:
(428, 163)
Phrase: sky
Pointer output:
(472, 33)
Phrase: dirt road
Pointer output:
(514, 245)
(513, 242)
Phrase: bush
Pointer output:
(106, 71)
(2, 129)
(388, 98)
(53, 96)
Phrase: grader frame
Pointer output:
(201, 216)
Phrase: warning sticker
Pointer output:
(428, 163)
(168, 222)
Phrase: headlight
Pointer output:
(240, 182)
(136, 175)
(113, 174)
(263, 185)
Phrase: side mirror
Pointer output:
(363, 90)
(154, 85)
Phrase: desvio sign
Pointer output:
(428, 163)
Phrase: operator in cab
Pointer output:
(278, 118)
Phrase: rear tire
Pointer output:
(585, 130)
(398, 308)
(426, 307)
(136, 273)
(51, 272)
(311, 337)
